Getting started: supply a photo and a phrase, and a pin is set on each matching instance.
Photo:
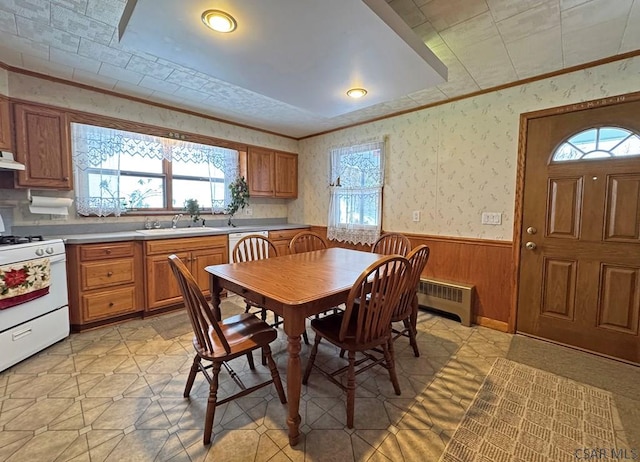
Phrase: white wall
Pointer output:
(454, 161)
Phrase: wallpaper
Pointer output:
(455, 161)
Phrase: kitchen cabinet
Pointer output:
(272, 173)
(5, 125)
(42, 143)
(105, 282)
(195, 252)
(281, 239)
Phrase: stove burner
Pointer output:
(12, 240)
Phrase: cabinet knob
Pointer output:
(110, 273)
(111, 304)
(108, 251)
(65, 178)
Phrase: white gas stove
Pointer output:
(34, 311)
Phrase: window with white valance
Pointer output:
(116, 170)
(357, 179)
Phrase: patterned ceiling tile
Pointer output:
(430, 95)
(593, 13)
(8, 22)
(536, 53)
(471, 32)
(158, 85)
(544, 17)
(75, 23)
(503, 9)
(631, 39)
(79, 6)
(107, 11)
(187, 79)
(73, 60)
(91, 78)
(149, 68)
(47, 67)
(118, 73)
(43, 33)
(36, 10)
(407, 10)
(22, 45)
(11, 57)
(602, 40)
(95, 50)
(447, 13)
(189, 93)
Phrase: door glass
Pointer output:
(598, 143)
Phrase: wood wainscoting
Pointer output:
(486, 264)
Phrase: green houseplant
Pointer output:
(192, 207)
(239, 197)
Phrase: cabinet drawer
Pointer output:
(169, 246)
(284, 234)
(107, 273)
(108, 303)
(102, 251)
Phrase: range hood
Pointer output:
(8, 163)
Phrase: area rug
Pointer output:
(525, 414)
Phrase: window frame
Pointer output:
(167, 174)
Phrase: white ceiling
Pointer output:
(483, 43)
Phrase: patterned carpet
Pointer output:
(525, 414)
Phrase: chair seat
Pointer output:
(329, 328)
(243, 332)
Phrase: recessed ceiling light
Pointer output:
(219, 21)
(357, 92)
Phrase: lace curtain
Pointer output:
(100, 150)
(356, 179)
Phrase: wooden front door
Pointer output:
(579, 280)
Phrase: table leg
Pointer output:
(294, 327)
(294, 388)
(216, 289)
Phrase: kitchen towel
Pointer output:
(50, 205)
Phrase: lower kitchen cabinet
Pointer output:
(281, 239)
(105, 282)
(195, 252)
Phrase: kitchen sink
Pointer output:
(174, 231)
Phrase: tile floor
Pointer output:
(115, 394)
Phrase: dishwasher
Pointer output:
(235, 237)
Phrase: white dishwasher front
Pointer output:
(235, 237)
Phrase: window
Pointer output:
(599, 143)
(117, 170)
(355, 208)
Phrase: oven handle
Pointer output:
(58, 258)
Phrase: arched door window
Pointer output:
(598, 143)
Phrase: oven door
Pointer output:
(28, 328)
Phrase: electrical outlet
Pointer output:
(491, 218)
(248, 211)
(416, 215)
(59, 217)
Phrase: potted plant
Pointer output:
(239, 197)
(192, 207)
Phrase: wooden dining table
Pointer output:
(294, 287)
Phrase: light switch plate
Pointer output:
(491, 218)
(416, 215)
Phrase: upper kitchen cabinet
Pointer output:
(42, 144)
(272, 173)
(5, 125)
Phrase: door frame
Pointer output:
(519, 194)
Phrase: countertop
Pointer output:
(91, 238)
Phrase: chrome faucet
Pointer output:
(175, 219)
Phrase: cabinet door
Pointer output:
(200, 259)
(162, 287)
(260, 178)
(5, 125)
(286, 174)
(42, 144)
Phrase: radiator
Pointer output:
(450, 297)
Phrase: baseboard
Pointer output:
(492, 324)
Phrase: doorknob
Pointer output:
(531, 230)
(530, 245)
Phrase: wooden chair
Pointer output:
(392, 244)
(307, 241)
(257, 247)
(406, 311)
(219, 341)
(364, 326)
